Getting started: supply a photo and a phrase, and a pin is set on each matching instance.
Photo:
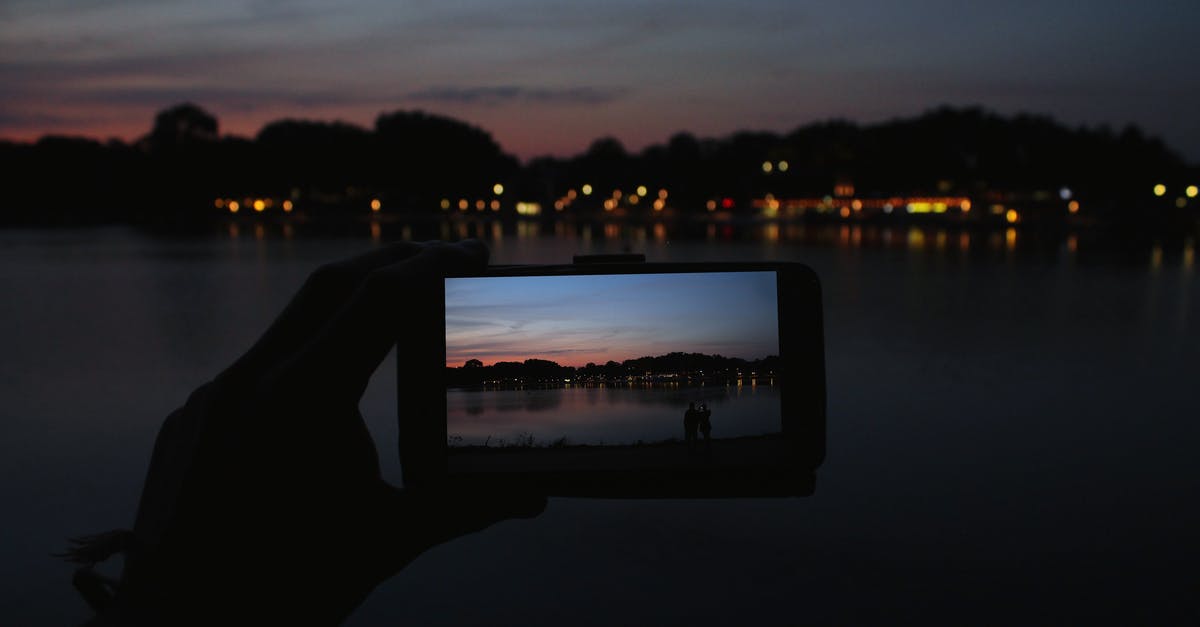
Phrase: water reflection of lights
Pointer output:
(528, 230)
(660, 231)
(288, 231)
(612, 231)
(1189, 255)
(916, 238)
(1010, 239)
(939, 241)
(234, 232)
(1156, 257)
(964, 241)
(1072, 243)
(260, 232)
(771, 232)
(710, 232)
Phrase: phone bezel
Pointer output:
(423, 443)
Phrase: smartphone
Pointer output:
(612, 378)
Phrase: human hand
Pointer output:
(264, 500)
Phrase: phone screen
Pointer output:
(612, 371)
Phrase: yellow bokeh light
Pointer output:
(659, 204)
(445, 203)
(220, 203)
(662, 193)
(376, 205)
(711, 205)
(767, 166)
(587, 189)
(495, 205)
(609, 204)
(845, 212)
(497, 189)
(633, 199)
(259, 205)
(480, 205)
(1012, 216)
(1160, 189)
(1192, 191)
(641, 190)
(287, 206)
(1073, 206)
(233, 206)
(463, 204)
(856, 205)
(783, 166)
(965, 206)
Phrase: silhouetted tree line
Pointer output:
(534, 371)
(413, 160)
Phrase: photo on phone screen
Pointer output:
(612, 371)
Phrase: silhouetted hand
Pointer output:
(264, 502)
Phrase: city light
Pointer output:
(287, 206)
(233, 206)
(495, 205)
(463, 204)
(1181, 202)
(711, 205)
(609, 204)
(1192, 191)
(662, 193)
(587, 189)
(1160, 189)
(641, 190)
(1065, 193)
(783, 166)
(1073, 206)
(965, 206)
(480, 205)
(497, 189)
(528, 208)
(220, 203)
(376, 205)
(259, 205)
(767, 166)
(1012, 216)
(445, 203)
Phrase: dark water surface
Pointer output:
(1013, 436)
(612, 414)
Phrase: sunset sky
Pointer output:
(578, 319)
(549, 77)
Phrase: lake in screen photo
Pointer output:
(666, 369)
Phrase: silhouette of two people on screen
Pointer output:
(697, 419)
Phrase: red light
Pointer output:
(727, 203)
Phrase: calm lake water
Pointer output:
(615, 414)
(1013, 427)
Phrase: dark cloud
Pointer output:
(510, 94)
